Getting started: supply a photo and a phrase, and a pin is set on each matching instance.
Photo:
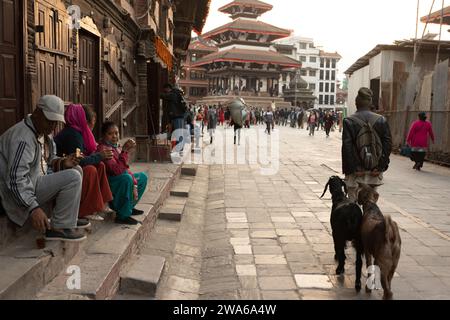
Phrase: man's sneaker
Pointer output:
(83, 224)
(127, 221)
(137, 212)
(67, 235)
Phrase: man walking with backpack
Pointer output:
(366, 146)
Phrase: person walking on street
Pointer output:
(221, 116)
(312, 123)
(268, 117)
(300, 116)
(329, 122)
(418, 139)
(366, 146)
(205, 118)
(212, 123)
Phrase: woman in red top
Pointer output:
(127, 188)
(419, 134)
(221, 117)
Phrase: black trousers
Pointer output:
(418, 157)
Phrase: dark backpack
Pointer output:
(182, 105)
(368, 143)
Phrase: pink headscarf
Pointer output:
(76, 119)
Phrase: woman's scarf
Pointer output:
(76, 118)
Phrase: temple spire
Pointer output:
(246, 9)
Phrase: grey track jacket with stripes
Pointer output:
(20, 168)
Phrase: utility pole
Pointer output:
(440, 34)
(417, 31)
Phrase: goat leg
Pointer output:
(359, 264)
(368, 264)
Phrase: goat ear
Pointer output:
(325, 191)
(376, 196)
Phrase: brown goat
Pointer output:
(380, 238)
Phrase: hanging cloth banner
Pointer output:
(163, 53)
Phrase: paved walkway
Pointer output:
(269, 237)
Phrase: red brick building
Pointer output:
(193, 80)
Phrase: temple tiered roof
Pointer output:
(249, 26)
(197, 45)
(248, 56)
(249, 8)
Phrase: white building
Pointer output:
(319, 68)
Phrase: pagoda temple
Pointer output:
(245, 65)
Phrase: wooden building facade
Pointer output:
(116, 59)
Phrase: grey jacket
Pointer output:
(20, 168)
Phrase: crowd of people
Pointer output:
(210, 117)
(62, 182)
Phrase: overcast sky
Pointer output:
(351, 27)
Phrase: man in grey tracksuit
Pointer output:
(32, 178)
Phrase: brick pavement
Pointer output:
(269, 237)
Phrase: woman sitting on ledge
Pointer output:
(127, 188)
(77, 134)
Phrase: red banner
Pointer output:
(163, 53)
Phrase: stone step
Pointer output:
(9, 232)
(26, 269)
(189, 170)
(180, 191)
(102, 261)
(109, 249)
(171, 212)
(143, 277)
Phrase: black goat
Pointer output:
(346, 217)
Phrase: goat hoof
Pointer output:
(358, 287)
(368, 290)
(388, 296)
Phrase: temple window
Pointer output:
(312, 73)
(313, 59)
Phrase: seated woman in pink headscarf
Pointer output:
(77, 134)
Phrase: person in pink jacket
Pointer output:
(419, 134)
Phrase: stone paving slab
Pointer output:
(269, 237)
